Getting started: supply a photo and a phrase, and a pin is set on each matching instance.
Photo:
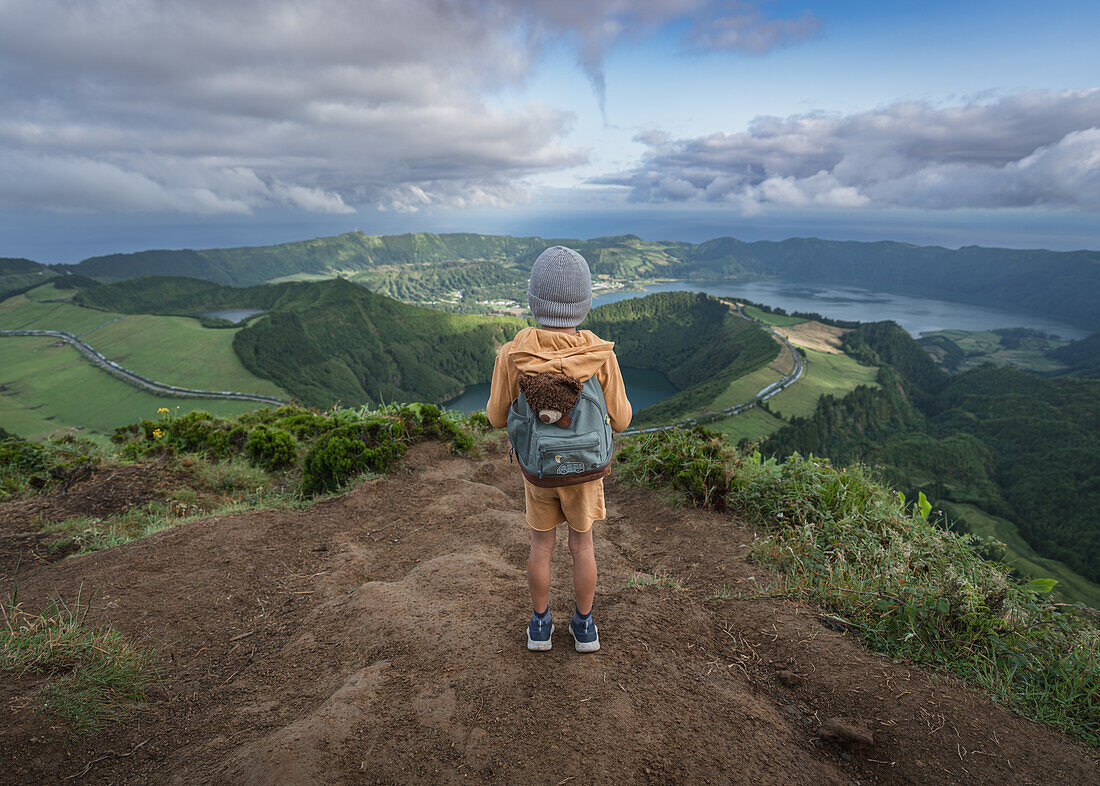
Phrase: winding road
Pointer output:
(137, 380)
(763, 395)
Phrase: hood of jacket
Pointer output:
(578, 355)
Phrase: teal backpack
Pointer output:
(550, 455)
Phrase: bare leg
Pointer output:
(584, 569)
(538, 567)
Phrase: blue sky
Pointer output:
(130, 125)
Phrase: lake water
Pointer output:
(643, 387)
(916, 314)
(234, 315)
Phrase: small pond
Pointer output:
(643, 388)
(234, 315)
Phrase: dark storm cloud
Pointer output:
(1024, 150)
(211, 107)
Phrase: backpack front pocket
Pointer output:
(558, 457)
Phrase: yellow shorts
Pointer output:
(580, 505)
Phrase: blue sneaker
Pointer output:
(586, 637)
(539, 632)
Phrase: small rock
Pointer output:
(846, 731)
(788, 678)
(792, 710)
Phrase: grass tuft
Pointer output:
(643, 580)
(95, 674)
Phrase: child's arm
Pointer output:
(504, 389)
(614, 393)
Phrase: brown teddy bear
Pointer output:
(552, 396)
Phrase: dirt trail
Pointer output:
(378, 638)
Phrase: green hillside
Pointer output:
(18, 275)
(695, 340)
(48, 388)
(1015, 445)
(424, 266)
(1082, 357)
(333, 341)
(173, 350)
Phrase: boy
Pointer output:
(560, 295)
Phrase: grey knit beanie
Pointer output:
(560, 290)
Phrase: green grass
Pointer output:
(95, 675)
(744, 388)
(49, 390)
(48, 292)
(644, 580)
(751, 424)
(771, 319)
(1073, 587)
(180, 351)
(843, 540)
(20, 312)
(174, 350)
(825, 375)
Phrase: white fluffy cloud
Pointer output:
(208, 106)
(1023, 150)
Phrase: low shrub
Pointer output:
(351, 450)
(25, 464)
(272, 448)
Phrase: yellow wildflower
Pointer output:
(162, 411)
(156, 433)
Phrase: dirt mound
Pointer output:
(82, 491)
(85, 491)
(378, 637)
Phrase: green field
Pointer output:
(174, 350)
(751, 424)
(1021, 556)
(958, 350)
(742, 389)
(771, 319)
(49, 292)
(47, 389)
(181, 352)
(23, 312)
(825, 375)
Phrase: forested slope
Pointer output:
(1017, 445)
(694, 339)
(1083, 357)
(1060, 285)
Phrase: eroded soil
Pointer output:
(377, 637)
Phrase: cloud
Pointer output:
(206, 106)
(1023, 150)
(748, 30)
(711, 25)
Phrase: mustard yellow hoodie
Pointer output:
(579, 355)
